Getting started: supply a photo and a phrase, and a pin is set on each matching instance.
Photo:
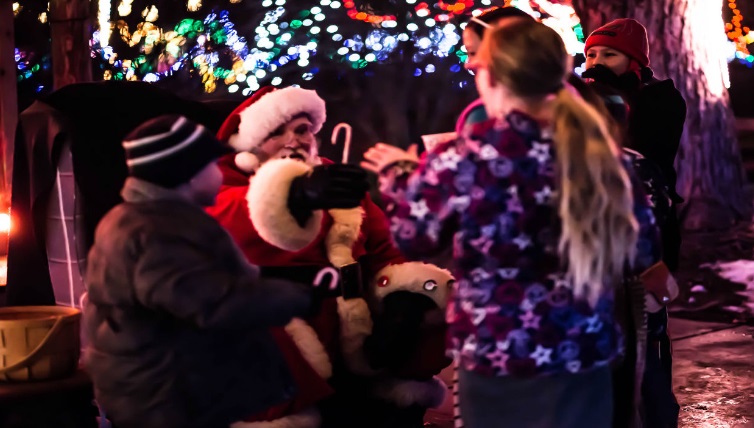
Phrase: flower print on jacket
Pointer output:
(492, 196)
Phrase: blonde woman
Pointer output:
(544, 218)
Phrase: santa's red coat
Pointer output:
(374, 250)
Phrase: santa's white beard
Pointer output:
(310, 157)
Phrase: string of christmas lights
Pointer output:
(289, 46)
(354, 13)
(284, 40)
(32, 65)
(740, 35)
(28, 64)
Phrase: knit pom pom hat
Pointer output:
(169, 150)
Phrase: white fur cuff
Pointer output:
(416, 277)
(268, 206)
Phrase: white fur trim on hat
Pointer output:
(274, 109)
(268, 206)
(247, 162)
(417, 277)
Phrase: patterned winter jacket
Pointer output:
(491, 194)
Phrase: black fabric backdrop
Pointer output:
(94, 117)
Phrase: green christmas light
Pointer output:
(579, 30)
(189, 28)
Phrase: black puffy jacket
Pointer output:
(177, 320)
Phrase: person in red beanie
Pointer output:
(621, 46)
(617, 55)
(362, 357)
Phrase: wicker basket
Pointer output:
(38, 342)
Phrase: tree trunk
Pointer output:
(686, 39)
(70, 31)
(8, 101)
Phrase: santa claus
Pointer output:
(302, 217)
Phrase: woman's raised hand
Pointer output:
(382, 155)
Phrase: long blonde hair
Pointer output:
(599, 229)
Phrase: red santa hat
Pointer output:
(257, 117)
(625, 35)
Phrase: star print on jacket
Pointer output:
(491, 196)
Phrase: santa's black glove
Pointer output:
(326, 187)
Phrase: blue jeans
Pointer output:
(582, 400)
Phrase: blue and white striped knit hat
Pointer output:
(169, 150)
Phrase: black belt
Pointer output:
(326, 281)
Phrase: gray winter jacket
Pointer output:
(177, 320)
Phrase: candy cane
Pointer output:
(334, 139)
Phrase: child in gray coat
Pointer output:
(177, 320)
